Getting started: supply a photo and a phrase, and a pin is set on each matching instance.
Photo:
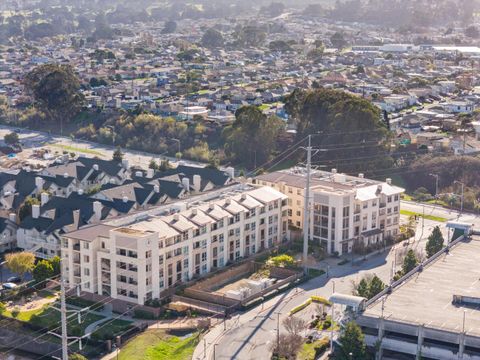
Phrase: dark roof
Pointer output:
(40, 224)
(110, 167)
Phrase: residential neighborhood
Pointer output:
(238, 179)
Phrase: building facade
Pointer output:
(346, 211)
(136, 263)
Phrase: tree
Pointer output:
(170, 27)
(341, 118)
(283, 260)
(435, 242)
(338, 41)
(362, 288)
(26, 209)
(212, 38)
(352, 341)
(257, 130)
(11, 138)
(369, 287)
(42, 271)
(409, 262)
(20, 262)
(56, 90)
(294, 325)
(376, 286)
(288, 346)
(56, 263)
(153, 165)
(117, 155)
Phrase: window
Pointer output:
(148, 254)
(132, 267)
(121, 265)
(204, 256)
(86, 245)
(86, 271)
(122, 252)
(86, 258)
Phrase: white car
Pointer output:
(9, 286)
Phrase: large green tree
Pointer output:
(435, 242)
(352, 341)
(20, 263)
(347, 127)
(42, 271)
(212, 38)
(251, 139)
(56, 90)
(409, 262)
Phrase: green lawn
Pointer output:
(48, 317)
(157, 345)
(428, 217)
(112, 329)
(77, 149)
(309, 351)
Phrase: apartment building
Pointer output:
(346, 211)
(136, 262)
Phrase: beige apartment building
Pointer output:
(345, 210)
(136, 262)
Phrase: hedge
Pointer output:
(315, 299)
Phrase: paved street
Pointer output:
(250, 335)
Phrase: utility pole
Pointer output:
(63, 313)
(436, 176)
(461, 198)
(333, 320)
(306, 211)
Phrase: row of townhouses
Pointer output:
(136, 262)
(67, 196)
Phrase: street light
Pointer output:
(112, 129)
(178, 141)
(461, 198)
(436, 176)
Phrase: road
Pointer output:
(250, 335)
(33, 139)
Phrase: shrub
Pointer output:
(283, 260)
(321, 300)
(301, 306)
(142, 314)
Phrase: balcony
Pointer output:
(76, 247)
(382, 205)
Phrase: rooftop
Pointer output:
(426, 298)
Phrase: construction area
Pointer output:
(235, 288)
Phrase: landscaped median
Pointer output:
(312, 299)
(428, 217)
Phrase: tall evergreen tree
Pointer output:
(435, 242)
(352, 342)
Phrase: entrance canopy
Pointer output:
(356, 302)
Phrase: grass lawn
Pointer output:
(112, 329)
(48, 317)
(157, 345)
(309, 351)
(428, 217)
(77, 149)
(407, 197)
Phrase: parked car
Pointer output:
(9, 286)
(14, 279)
